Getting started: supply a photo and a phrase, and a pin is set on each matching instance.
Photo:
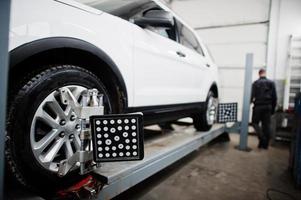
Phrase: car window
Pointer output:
(127, 9)
(209, 52)
(165, 32)
(161, 31)
(188, 39)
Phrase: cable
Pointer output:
(269, 190)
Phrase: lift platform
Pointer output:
(161, 148)
(160, 152)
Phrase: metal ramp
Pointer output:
(160, 152)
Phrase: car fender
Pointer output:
(104, 35)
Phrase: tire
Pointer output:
(23, 127)
(200, 120)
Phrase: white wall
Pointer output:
(288, 22)
(285, 21)
(208, 13)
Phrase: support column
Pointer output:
(4, 30)
(244, 130)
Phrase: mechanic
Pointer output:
(264, 98)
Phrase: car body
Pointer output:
(164, 72)
(146, 63)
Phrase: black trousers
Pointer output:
(262, 114)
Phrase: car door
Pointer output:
(196, 58)
(165, 72)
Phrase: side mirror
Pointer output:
(155, 18)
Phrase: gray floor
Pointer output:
(220, 172)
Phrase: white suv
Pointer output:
(137, 53)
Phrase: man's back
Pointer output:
(264, 92)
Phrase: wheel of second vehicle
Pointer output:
(42, 131)
(205, 119)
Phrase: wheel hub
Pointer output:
(211, 110)
(55, 129)
(71, 127)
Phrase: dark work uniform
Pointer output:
(264, 98)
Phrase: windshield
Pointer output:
(115, 7)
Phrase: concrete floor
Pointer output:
(220, 172)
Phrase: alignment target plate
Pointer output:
(117, 137)
(227, 112)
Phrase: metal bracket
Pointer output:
(94, 107)
(79, 157)
(91, 104)
(235, 128)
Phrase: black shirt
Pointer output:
(264, 92)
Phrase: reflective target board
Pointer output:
(227, 112)
(117, 137)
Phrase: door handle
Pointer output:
(179, 53)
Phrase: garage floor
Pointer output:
(219, 171)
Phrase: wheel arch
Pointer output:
(65, 50)
(214, 89)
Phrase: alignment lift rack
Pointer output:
(161, 149)
(160, 152)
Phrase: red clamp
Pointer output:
(87, 188)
